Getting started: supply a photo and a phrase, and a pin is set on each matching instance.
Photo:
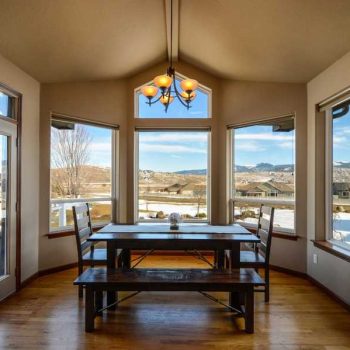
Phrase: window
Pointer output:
(172, 175)
(200, 107)
(338, 179)
(263, 167)
(7, 105)
(82, 170)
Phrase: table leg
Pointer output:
(249, 310)
(234, 297)
(89, 309)
(126, 258)
(112, 297)
(220, 259)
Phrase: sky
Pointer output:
(341, 138)
(259, 144)
(173, 151)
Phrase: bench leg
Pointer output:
(99, 302)
(89, 309)
(249, 310)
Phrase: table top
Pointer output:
(184, 228)
(190, 233)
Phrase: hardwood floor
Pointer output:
(48, 315)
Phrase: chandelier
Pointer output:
(166, 84)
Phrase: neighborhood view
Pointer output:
(173, 174)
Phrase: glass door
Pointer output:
(8, 135)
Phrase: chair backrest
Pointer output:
(83, 229)
(264, 232)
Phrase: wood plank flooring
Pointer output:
(48, 315)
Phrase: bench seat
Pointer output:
(231, 280)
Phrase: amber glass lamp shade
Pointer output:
(188, 97)
(163, 81)
(149, 91)
(189, 85)
(166, 99)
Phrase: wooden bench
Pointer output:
(97, 280)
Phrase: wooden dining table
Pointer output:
(188, 237)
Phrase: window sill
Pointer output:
(67, 233)
(333, 249)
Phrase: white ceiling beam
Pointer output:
(175, 48)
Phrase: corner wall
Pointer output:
(103, 101)
(245, 102)
(330, 270)
(30, 89)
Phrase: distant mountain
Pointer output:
(345, 165)
(192, 172)
(261, 167)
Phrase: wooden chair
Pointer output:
(87, 253)
(260, 256)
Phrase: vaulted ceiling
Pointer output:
(260, 40)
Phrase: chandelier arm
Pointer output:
(177, 94)
(149, 102)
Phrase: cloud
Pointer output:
(100, 147)
(249, 147)
(164, 148)
(339, 140)
(174, 137)
(286, 145)
(264, 137)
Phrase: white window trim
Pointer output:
(329, 181)
(136, 177)
(114, 178)
(202, 87)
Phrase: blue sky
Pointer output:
(259, 144)
(173, 151)
(101, 146)
(341, 138)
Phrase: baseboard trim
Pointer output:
(57, 269)
(29, 280)
(288, 271)
(329, 292)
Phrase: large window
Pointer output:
(82, 170)
(263, 166)
(172, 175)
(338, 179)
(200, 106)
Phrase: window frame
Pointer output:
(258, 200)
(136, 172)
(329, 179)
(202, 87)
(114, 174)
(16, 100)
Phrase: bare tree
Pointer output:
(199, 195)
(70, 151)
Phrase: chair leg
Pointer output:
(267, 284)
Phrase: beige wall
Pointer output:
(244, 102)
(331, 271)
(30, 89)
(113, 101)
(103, 101)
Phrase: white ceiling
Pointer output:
(260, 40)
